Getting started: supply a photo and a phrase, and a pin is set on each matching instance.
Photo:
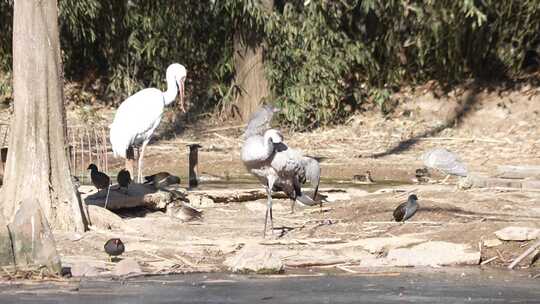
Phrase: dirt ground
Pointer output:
(486, 128)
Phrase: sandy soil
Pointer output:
(485, 127)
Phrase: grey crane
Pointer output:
(445, 161)
(260, 120)
(278, 167)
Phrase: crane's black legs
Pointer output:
(292, 205)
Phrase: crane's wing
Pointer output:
(312, 172)
(287, 161)
(260, 121)
(136, 119)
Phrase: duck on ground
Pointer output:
(184, 212)
(99, 179)
(114, 248)
(407, 209)
(161, 180)
(363, 178)
(124, 179)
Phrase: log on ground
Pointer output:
(518, 172)
(138, 195)
(245, 195)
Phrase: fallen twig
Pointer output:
(342, 267)
(400, 223)
(524, 255)
(303, 242)
(223, 128)
(489, 260)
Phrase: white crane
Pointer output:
(140, 114)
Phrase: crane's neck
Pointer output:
(172, 90)
(268, 145)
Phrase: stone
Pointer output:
(83, 269)
(32, 239)
(200, 201)
(6, 250)
(255, 258)
(433, 254)
(513, 233)
(377, 245)
(492, 243)
(259, 206)
(105, 219)
(314, 257)
(127, 266)
(354, 192)
(337, 196)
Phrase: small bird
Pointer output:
(421, 175)
(123, 178)
(114, 248)
(183, 212)
(363, 178)
(99, 179)
(407, 209)
(162, 180)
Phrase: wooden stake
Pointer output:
(193, 162)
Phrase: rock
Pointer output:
(354, 192)
(260, 206)
(337, 196)
(433, 254)
(200, 201)
(377, 245)
(105, 219)
(492, 243)
(127, 266)
(466, 183)
(518, 234)
(75, 237)
(314, 257)
(31, 238)
(83, 269)
(530, 184)
(255, 258)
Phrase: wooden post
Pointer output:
(3, 156)
(193, 162)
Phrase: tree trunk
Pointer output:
(249, 66)
(37, 170)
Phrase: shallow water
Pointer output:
(471, 285)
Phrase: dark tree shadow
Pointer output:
(466, 105)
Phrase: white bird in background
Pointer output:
(140, 114)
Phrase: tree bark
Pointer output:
(249, 67)
(37, 170)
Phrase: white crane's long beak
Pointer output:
(181, 91)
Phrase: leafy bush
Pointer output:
(324, 59)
